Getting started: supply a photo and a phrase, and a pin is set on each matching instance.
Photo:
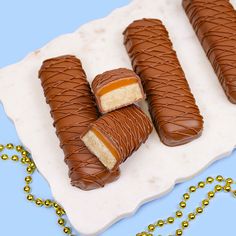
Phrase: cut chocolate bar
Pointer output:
(116, 135)
(73, 108)
(214, 22)
(117, 88)
(172, 106)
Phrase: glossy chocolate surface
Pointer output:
(73, 108)
(172, 106)
(214, 22)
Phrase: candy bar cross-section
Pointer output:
(117, 88)
(116, 135)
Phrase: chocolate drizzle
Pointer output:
(73, 108)
(214, 22)
(126, 129)
(172, 106)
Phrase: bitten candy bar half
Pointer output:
(214, 22)
(174, 112)
(73, 108)
(116, 135)
(117, 88)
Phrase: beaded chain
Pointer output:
(30, 169)
(222, 184)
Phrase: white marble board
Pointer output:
(154, 168)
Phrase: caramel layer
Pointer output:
(117, 84)
(106, 143)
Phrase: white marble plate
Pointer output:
(154, 169)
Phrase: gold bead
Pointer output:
(24, 153)
(22, 160)
(192, 189)
(32, 165)
(219, 178)
(39, 202)
(63, 211)
(227, 188)
(59, 212)
(185, 224)
(29, 170)
(199, 210)
(61, 222)
(18, 148)
(179, 232)
(160, 223)
(229, 181)
(143, 234)
(218, 188)
(15, 158)
(1, 147)
(210, 180)
(30, 197)
(205, 202)
(186, 196)
(55, 205)
(191, 216)
(211, 194)
(201, 184)
(9, 146)
(28, 179)
(4, 157)
(179, 214)
(27, 160)
(182, 204)
(151, 228)
(149, 234)
(170, 220)
(138, 234)
(67, 230)
(48, 203)
(27, 189)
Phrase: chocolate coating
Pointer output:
(125, 129)
(111, 76)
(73, 108)
(214, 22)
(172, 106)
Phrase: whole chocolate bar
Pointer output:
(172, 106)
(214, 22)
(116, 135)
(73, 108)
(117, 88)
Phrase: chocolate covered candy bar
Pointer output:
(73, 108)
(116, 135)
(117, 88)
(214, 22)
(174, 112)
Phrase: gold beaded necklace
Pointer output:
(222, 184)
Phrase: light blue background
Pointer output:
(28, 25)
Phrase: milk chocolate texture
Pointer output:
(214, 22)
(73, 108)
(124, 130)
(174, 112)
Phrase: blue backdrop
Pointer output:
(28, 25)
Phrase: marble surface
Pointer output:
(154, 169)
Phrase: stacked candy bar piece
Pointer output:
(94, 147)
